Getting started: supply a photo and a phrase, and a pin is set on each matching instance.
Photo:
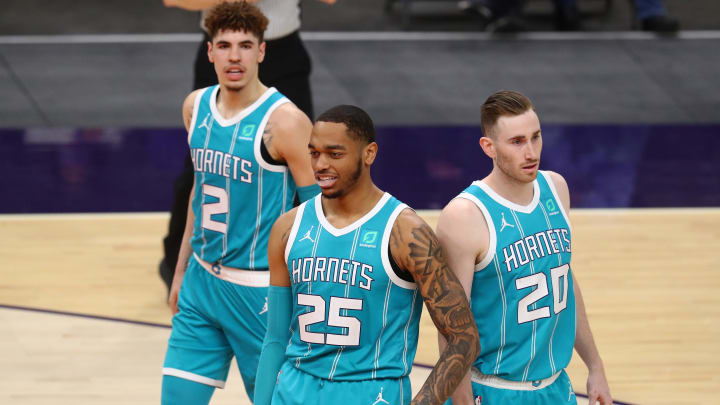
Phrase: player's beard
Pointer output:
(352, 181)
(506, 167)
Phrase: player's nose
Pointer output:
(530, 152)
(321, 162)
(234, 54)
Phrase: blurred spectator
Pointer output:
(506, 15)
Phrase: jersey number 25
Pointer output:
(334, 318)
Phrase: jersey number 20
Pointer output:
(334, 318)
(539, 281)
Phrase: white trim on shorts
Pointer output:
(248, 278)
(185, 375)
(494, 381)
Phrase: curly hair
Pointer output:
(236, 16)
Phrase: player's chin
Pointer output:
(529, 172)
(331, 193)
(233, 85)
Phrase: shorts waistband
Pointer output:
(496, 382)
(248, 278)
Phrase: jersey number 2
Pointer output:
(210, 209)
(539, 281)
(334, 318)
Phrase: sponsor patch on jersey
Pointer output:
(368, 239)
(551, 207)
(247, 132)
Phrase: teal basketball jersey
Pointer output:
(238, 194)
(353, 317)
(522, 291)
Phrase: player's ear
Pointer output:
(488, 146)
(209, 52)
(369, 153)
(261, 56)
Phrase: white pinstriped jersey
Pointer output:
(238, 195)
(353, 317)
(522, 291)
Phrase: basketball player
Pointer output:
(349, 271)
(508, 240)
(249, 151)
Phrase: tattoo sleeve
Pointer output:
(416, 248)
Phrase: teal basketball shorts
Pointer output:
(217, 319)
(492, 390)
(296, 387)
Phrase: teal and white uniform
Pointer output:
(354, 320)
(238, 196)
(523, 299)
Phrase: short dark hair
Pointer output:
(358, 122)
(502, 103)
(236, 16)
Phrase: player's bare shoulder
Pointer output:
(412, 239)
(462, 225)
(283, 225)
(188, 107)
(562, 188)
(287, 128)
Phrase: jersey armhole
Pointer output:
(384, 251)
(196, 109)
(259, 139)
(490, 254)
(553, 190)
(294, 229)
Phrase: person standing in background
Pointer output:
(248, 144)
(286, 67)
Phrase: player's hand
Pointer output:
(174, 293)
(598, 389)
(170, 3)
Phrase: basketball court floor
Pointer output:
(91, 139)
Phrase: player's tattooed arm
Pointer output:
(286, 138)
(415, 248)
(267, 135)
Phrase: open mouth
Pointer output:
(234, 73)
(325, 180)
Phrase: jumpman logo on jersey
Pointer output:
(504, 223)
(205, 122)
(380, 399)
(264, 308)
(307, 235)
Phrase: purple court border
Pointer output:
(162, 325)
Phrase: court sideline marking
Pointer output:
(165, 326)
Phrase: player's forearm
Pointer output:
(450, 370)
(584, 341)
(185, 246)
(463, 393)
(194, 5)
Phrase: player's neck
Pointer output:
(520, 193)
(345, 210)
(231, 102)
